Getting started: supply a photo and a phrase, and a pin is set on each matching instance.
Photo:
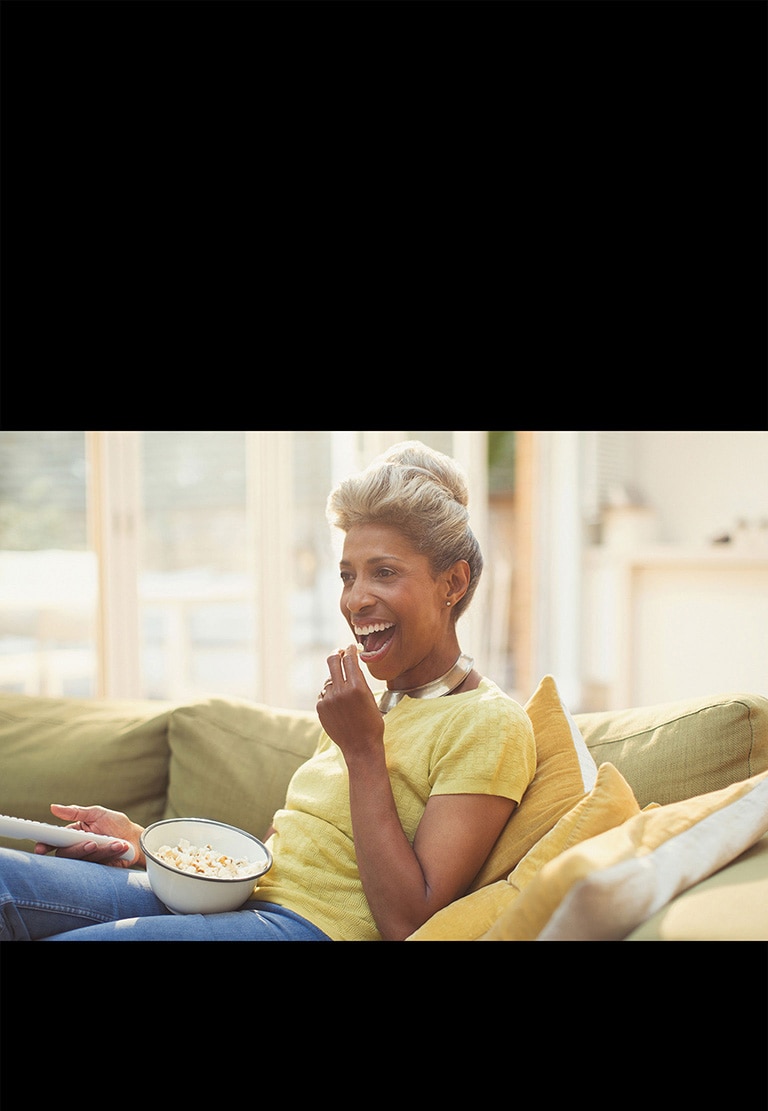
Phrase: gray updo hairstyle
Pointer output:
(424, 494)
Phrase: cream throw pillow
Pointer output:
(565, 771)
(603, 888)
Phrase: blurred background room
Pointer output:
(633, 566)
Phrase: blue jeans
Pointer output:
(48, 898)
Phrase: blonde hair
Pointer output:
(424, 494)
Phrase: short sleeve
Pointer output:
(486, 748)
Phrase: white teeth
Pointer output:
(364, 630)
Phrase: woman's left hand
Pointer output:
(347, 708)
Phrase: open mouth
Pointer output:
(374, 638)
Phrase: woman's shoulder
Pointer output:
(489, 700)
(487, 717)
(489, 690)
(485, 703)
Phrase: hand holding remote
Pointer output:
(103, 823)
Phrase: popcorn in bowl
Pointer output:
(191, 876)
(203, 861)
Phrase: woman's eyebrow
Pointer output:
(374, 559)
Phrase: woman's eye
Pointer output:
(348, 577)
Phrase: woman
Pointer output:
(395, 813)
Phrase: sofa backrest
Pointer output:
(108, 751)
(227, 759)
(232, 760)
(675, 750)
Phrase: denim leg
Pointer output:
(256, 921)
(45, 895)
(47, 898)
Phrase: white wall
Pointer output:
(701, 483)
(685, 617)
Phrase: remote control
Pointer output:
(54, 835)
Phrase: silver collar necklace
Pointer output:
(438, 687)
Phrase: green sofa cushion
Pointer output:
(231, 760)
(112, 752)
(674, 750)
(731, 905)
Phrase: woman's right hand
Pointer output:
(347, 708)
(108, 823)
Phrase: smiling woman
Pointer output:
(428, 790)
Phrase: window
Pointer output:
(48, 571)
(185, 564)
(196, 565)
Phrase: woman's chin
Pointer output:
(377, 672)
(382, 674)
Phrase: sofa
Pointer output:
(644, 824)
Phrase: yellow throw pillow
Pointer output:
(565, 771)
(468, 918)
(603, 888)
(610, 802)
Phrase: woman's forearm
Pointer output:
(391, 874)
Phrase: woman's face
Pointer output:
(396, 607)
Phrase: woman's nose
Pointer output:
(358, 598)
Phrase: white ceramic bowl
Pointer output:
(188, 893)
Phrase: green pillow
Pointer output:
(231, 760)
(113, 752)
(673, 751)
(730, 905)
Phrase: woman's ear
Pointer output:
(457, 580)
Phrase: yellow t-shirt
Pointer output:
(477, 742)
